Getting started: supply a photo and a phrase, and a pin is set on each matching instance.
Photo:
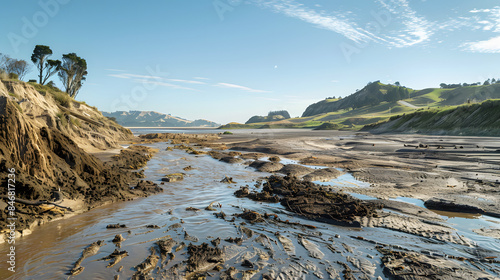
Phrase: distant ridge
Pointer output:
(154, 119)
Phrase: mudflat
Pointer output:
(449, 173)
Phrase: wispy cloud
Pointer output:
(227, 85)
(417, 28)
(163, 84)
(487, 46)
(131, 76)
(201, 78)
(187, 81)
(334, 22)
(154, 80)
(487, 20)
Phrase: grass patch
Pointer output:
(75, 122)
(63, 119)
(62, 98)
(227, 132)
(18, 107)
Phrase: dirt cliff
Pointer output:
(46, 137)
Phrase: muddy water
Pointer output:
(51, 250)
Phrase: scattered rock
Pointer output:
(265, 166)
(118, 238)
(295, 170)
(242, 192)
(116, 256)
(91, 250)
(146, 266)
(323, 175)
(216, 241)
(228, 180)
(251, 216)
(203, 257)
(148, 187)
(174, 177)
(247, 263)
(166, 246)
(274, 159)
(231, 160)
(191, 238)
(212, 206)
(174, 226)
(238, 241)
(452, 206)
(116, 226)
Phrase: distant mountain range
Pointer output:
(154, 119)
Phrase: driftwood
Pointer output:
(81, 117)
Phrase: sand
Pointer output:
(463, 170)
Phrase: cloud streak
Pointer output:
(406, 27)
(155, 80)
(333, 22)
(233, 86)
(487, 20)
(417, 28)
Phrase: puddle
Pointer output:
(414, 201)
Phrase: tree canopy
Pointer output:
(73, 72)
(45, 66)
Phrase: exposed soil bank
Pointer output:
(48, 154)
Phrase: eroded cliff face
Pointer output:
(50, 155)
(85, 125)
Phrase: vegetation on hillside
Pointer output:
(371, 95)
(72, 71)
(468, 119)
(271, 116)
(381, 102)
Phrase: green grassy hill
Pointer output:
(377, 103)
(371, 95)
(469, 119)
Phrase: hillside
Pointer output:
(376, 103)
(154, 119)
(47, 140)
(271, 116)
(371, 95)
(470, 119)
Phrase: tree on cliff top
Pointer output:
(45, 66)
(72, 73)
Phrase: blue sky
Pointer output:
(226, 60)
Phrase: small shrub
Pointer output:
(62, 98)
(76, 122)
(3, 75)
(32, 81)
(227, 132)
(13, 76)
(113, 119)
(63, 119)
(18, 107)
